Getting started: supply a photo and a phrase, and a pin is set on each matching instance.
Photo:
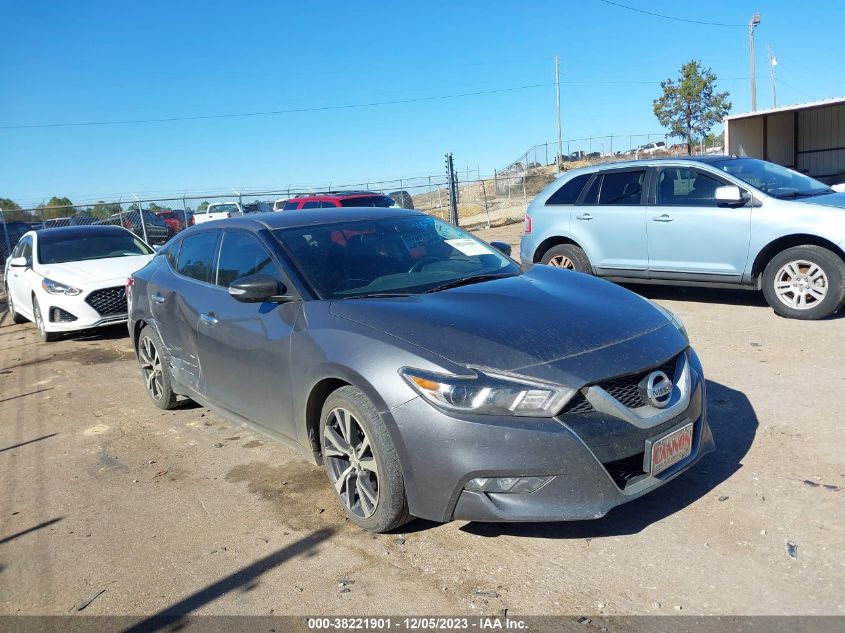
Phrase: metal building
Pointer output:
(808, 137)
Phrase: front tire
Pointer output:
(805, 282)
(361, 462)
(43, 334)
(16, 318)
(154, 369)
(568, 256)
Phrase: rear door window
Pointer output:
(292, 204)
(241, 255)
(622, 187)
(312, 204)
(569, 192)
(196, 257)
(592, 194)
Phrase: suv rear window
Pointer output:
(622, 187)
(569, 192)
(292, 204)
(367, 201)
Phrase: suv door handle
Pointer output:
(158, 298)
(209, 319)
(584, 216)
(663, 218)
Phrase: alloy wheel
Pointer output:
(39, 320)
(151, 367)
(350, 462)
(801, 284)
(562, 261)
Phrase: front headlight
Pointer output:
(488, 393)
(673, 318)
(56, 288)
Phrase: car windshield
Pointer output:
(392, 256)
(75, 248)
(772, 179)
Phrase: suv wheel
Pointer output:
(805, 282)
(16, 318)
(361, 462)
(568, 256)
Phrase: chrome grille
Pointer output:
(108, 301)
(625, 389)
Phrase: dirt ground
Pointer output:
(103, 496)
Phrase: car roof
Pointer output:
(645, 162)
(305, 217)
(81, 230)
(333, 195)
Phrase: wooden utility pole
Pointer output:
(559, 133)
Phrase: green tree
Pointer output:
(56, 208)
(12, 211)
(202, 206)
(105, 209)
(690, 106)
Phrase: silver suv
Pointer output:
(712, 221)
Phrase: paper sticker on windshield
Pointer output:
(468, 246)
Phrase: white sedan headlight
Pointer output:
(488, 393)
(56, 288)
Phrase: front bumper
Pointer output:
(63, 313)
(446, 452)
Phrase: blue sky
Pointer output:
(88, 61)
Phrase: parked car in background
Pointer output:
(218, 211)
(176, 220)
(652, 148)
(335, 199)
(402, 199)
(72, 278)
(428, 374)
(710, 220)
(78, 219)
(10, 233)
(279, 204)
(154, 229)
(257, 207)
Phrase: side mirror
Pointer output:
(730, 195)
(18, 262)
(502, 247)
(258, 289)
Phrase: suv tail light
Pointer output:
(228, 215)
(527, 223)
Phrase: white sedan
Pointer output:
(72, 278)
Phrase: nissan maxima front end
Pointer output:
(421, 367)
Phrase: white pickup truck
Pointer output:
(218, 211)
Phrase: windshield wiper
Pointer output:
(381, 295)
(804, 194)
(465, 281)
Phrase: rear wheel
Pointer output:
(16, 318)
(154, 369)
(361, 462)
(805, 282)
(568, 256)
(47, 337)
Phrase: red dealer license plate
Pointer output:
(669, 449)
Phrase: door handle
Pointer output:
(584, 216)
(663, 218)
(158, 298)
(209, 319)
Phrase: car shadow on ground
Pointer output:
(727, 296)
(734, 425)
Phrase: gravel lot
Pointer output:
(175, 512)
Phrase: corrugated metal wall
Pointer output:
(821, 141)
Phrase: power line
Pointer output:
(670, 17)
(347, 106)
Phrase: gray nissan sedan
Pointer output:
(427, 373)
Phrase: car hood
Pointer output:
(95, 271)
(827, 200)
(539, 317)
